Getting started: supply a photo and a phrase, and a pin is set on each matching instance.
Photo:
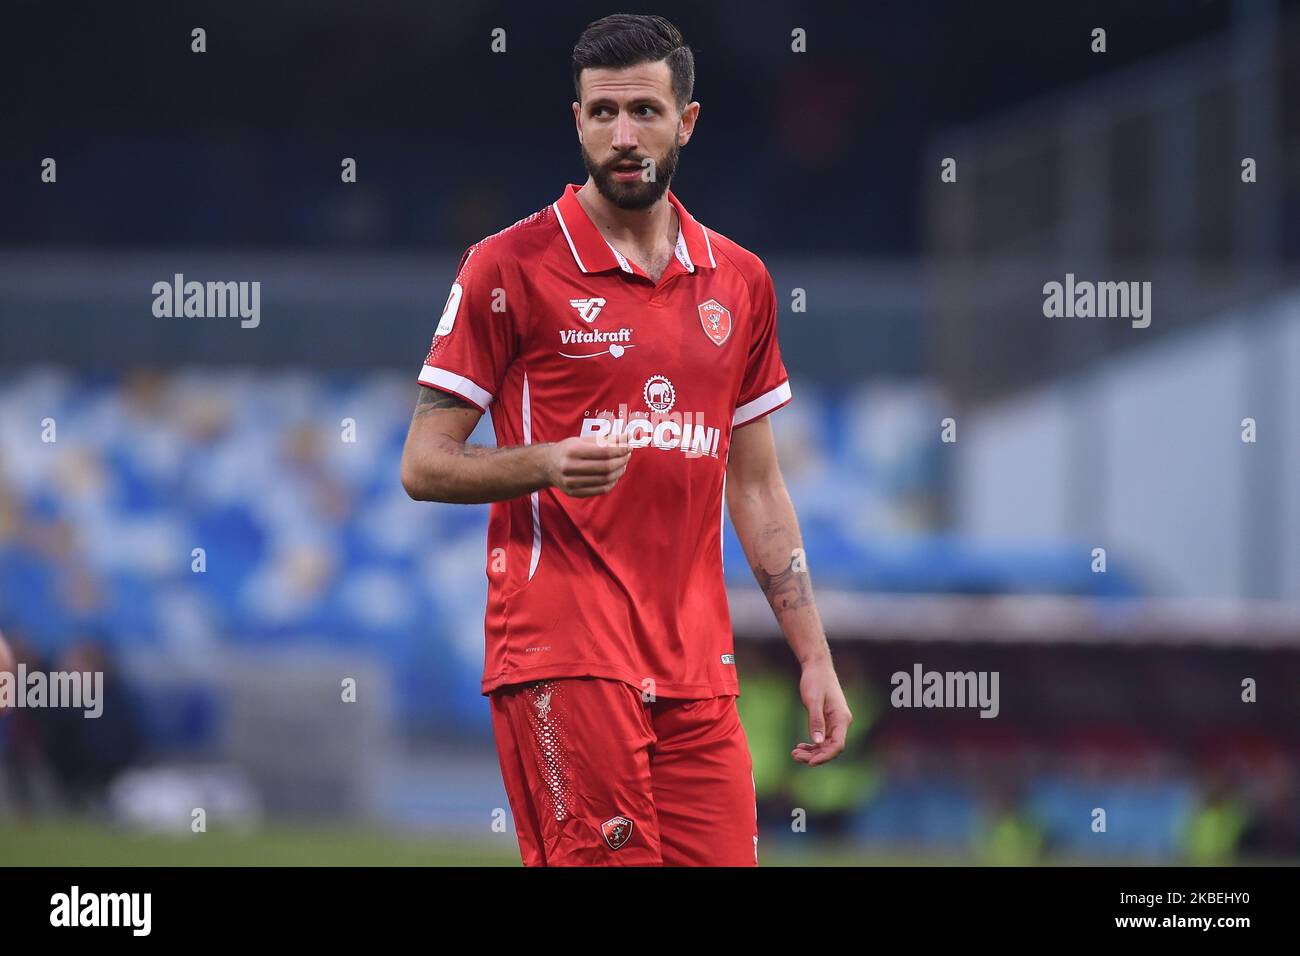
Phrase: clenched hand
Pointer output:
(586, 467)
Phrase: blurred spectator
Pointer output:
(86, 754)
(25, 769)
(1006, 834)
(775, 720)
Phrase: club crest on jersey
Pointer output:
(616, 831)
(659, 393)
(716, 320)
(588, 309)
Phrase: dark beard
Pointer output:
(636, 194)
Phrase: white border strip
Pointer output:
(622, 259)
(683, 254)
(707, 245)
(567, 238)
(451, 382)
(722, 519)
(536, 503)
(762, 405)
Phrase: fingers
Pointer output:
(595, 457)
(832, 744)
(816, 755)
(591, 487)
(817, 719)
(607, 473)
(599, 449)
(839, 729)
(594, 466)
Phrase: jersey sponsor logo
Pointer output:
(588, 309)
(616, 831)
(716, 319)
(659, 393)
(672, 432)
(619, 341)
(449, 311)
(661, 428)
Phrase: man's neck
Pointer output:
(637, 228)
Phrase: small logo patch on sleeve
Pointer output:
(449, 311)
(729, 659)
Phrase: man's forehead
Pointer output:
(627, 82)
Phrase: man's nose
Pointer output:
(624, 133)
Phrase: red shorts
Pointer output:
(597, 777)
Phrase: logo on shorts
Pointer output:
(542, 701)
(616, 831)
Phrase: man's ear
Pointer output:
(687, 125)
(577, 119)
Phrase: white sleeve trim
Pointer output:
(762, 405)
(451, 382)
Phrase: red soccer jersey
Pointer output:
(556, 333)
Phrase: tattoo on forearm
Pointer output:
(450, 446)
(789, 588)
(435, 398)
(470, 451)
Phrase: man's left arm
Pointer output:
(768, 529)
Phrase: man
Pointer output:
(629, 358)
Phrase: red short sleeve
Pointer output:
(477, 337)
(766, 386)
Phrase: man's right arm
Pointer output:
(438, 464)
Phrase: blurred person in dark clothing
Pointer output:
(1272, 828)
(24, 763)
(773, 719)
(86, 753)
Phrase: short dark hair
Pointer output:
(629, 39)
